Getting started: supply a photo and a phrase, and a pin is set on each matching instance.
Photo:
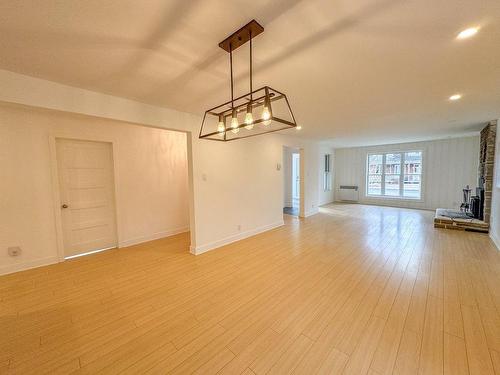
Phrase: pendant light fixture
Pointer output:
(221, 127)
(264, 110)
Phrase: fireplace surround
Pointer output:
(486, 165)
(454, 219)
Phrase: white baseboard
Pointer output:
(325, 203)
(388, 203)
(152, 237)
(237, 237)
(495, 240)
(312, 212)
(348, 202)
(11, 268)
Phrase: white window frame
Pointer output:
(327, 172)
(401, 176)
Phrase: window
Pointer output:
(396, 174)
(327, 177)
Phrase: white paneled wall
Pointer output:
(448, 165)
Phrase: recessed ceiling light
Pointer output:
(455, 97)
(298, 127)
(467, 33)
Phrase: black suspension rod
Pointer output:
(231, 64)
(251, 69)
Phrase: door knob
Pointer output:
(64, 205)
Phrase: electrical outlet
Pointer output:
(239, 227)
(14, 251)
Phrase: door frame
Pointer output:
(302, 173)
(56, 194)
(296, 173)
(302, 179)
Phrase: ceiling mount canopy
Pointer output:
(259, 111)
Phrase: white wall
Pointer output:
(221, 201)
(495, 203)
(150, 175)
(448, 165)
(244, 188)
(326, 197)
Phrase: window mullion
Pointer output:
(382, 190)
(401, 173)
(413, 175)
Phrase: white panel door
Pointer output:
(87, 195)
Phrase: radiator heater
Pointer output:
(349, 193)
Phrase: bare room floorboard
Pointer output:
(355, 290)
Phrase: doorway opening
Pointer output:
(291, 183)
(127, 186)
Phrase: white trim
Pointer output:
(56, 197)
(383, 203)
(89, 252)
(152, 237)
(401, 176)
(302, 178)
(393, 198)
(36, 92)
(236, 237)
(495, 240)
(17, 267)
(329, 201)
(312, 212)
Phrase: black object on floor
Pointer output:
(291, 211)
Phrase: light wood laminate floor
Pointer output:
(354, 290)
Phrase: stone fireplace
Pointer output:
(454, 219)
(486, 165)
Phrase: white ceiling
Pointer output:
(356, 72)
